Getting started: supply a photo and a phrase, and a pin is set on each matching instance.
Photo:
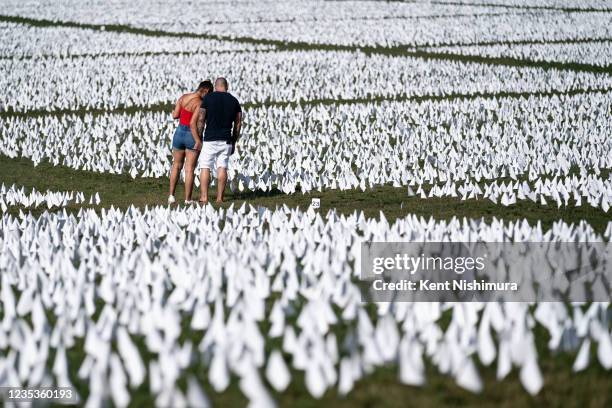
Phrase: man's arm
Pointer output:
(201, 121)
(237, 126)
(197, 126)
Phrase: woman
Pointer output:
(184, 147)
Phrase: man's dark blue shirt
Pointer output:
(221, 109)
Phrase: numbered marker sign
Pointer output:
(316, 203)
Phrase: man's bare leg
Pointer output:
(221, 180)
(204, 181)
(191, 157)
(177, 165)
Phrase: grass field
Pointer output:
(121, 191)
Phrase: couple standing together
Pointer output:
(209, 127)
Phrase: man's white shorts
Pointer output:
(214, 155)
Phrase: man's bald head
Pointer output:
(221, 85)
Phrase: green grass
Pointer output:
(121, 191)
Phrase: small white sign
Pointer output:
(316, 203)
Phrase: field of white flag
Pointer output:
(501, 100)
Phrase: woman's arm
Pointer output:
(197, 126)
(176, 112)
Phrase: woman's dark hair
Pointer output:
(206, 85)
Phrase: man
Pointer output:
(220, 116)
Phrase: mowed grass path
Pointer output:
(121, 191)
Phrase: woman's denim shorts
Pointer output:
(182, 138)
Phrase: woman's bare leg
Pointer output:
(191, 158)
(177, 165)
